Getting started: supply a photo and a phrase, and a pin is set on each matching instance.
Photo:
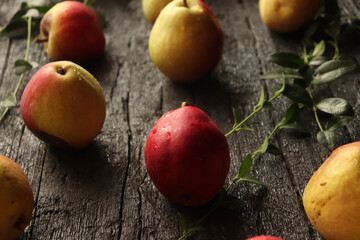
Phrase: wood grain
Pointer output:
(104, 192)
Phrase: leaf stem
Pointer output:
(243, 121)
(29, 19)
(317, 118)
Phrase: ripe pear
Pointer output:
(187, 156)
(152, 8)
(332, 196)
(186, 41)
(287, 16)
(71, 31)
(16, 200)
(63, 104)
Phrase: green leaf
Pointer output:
(307, 72)
(335, 106)
(272, 149)
(17, 26)
(245, 166)
(197, 228)
(319, 49)
(280, 73)
(261, 100)
(337, 122)
(263, 147)
(101, 18)
(286, 59)
(292, 114)
(268, 105)
(294, 127)
(333, 70)
(252, 179)
(281, 89)
(184, 222)
(22, 66)
(316, 61)
(32, 12)
(236, 117)
(42, 8)
(327, 139)
(297, 94)
(10, 101)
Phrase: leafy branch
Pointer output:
(20, 24)
(308, 72)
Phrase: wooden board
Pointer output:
(104, 192)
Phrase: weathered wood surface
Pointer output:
(104, 192)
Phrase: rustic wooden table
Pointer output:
(104, 192)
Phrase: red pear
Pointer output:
(187, 156)
(71, 31)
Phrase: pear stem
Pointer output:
(184, 104)
(185, 4)
(41, 40)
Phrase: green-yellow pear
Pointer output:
(186, 41)
(152, 8)
(16, 200)
(287, 15)
(332, 197)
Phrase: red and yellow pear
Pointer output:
(71, 31)
(63, 104)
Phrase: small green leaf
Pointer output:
(337, 122)
(245, 166)
(236, 117)
(10, 101)
(294, 127)
(268, 105)
(17, 26)
(292, 114)
(22, 66)
(244, 128)
(272, 149)
(335, 106)
(316, 61)
(263, 147)
(197, 228)
(333, 70)
(252, 179)
(280, 73)
(327, 139)
(32, 12)
(319, 49)
(307, 72)
(297, 94)
(184, 222)
(286, 59)
(261, 100)
(281, 89)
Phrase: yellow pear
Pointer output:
(16, 200)
(288, 15)
(186, 41)
(332, 197)
(152, 8)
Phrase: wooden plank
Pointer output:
(104, 192)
